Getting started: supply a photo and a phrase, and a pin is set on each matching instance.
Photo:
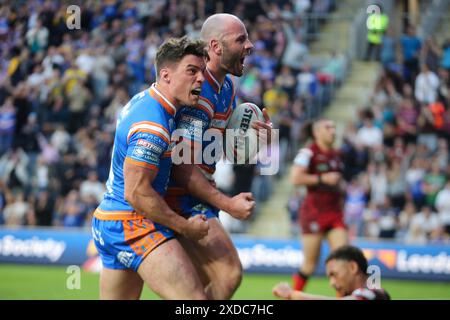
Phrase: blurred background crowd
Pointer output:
(397, 153)
(61, 90)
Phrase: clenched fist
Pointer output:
(241, 206)
(196, 228)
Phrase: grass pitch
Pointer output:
(31, 282)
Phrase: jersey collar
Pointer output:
(154, 93)
(212, 81)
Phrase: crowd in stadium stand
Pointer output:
(397, 153)
(61, 89)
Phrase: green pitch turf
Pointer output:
(49, 282)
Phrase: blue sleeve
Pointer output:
(147, 143)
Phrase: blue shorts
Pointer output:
(209, 212)
(188, 206)
(123, 244)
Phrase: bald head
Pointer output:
(227, 43)
(218, 25)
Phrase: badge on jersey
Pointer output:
(146, 148)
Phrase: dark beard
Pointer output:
(229, 62)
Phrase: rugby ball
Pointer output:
(241, 138)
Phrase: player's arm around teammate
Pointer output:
(227, 45)
(133, 227)
(140, 194)
(192, 179)
(215, 257)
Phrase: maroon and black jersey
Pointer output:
(324, 198)
(371, 294)
(321, 209)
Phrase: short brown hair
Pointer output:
(307, 131)
(175, 49)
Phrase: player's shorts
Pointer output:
(123, 244)
(186, 207)
(208, 211)
(319, 222)
(322, 224)
(317, 215)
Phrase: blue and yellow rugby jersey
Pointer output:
(143, 135)
(213, 111)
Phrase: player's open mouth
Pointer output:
(196, 91)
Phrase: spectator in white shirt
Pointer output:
(424, 226)
(37, 37)
(301, 6)
(369, 135)
(37, 77)
(378, 182)
(404, 220)
(86, 61)
(15, 212)
(427, 83)
(92, 189)
(296, 52)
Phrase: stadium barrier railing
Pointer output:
(262, 255)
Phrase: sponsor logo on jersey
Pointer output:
(150, 146)
(322, 167)
(201, 208)
(143, 153)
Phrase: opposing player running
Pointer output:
(319, 168)
(215, 256)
